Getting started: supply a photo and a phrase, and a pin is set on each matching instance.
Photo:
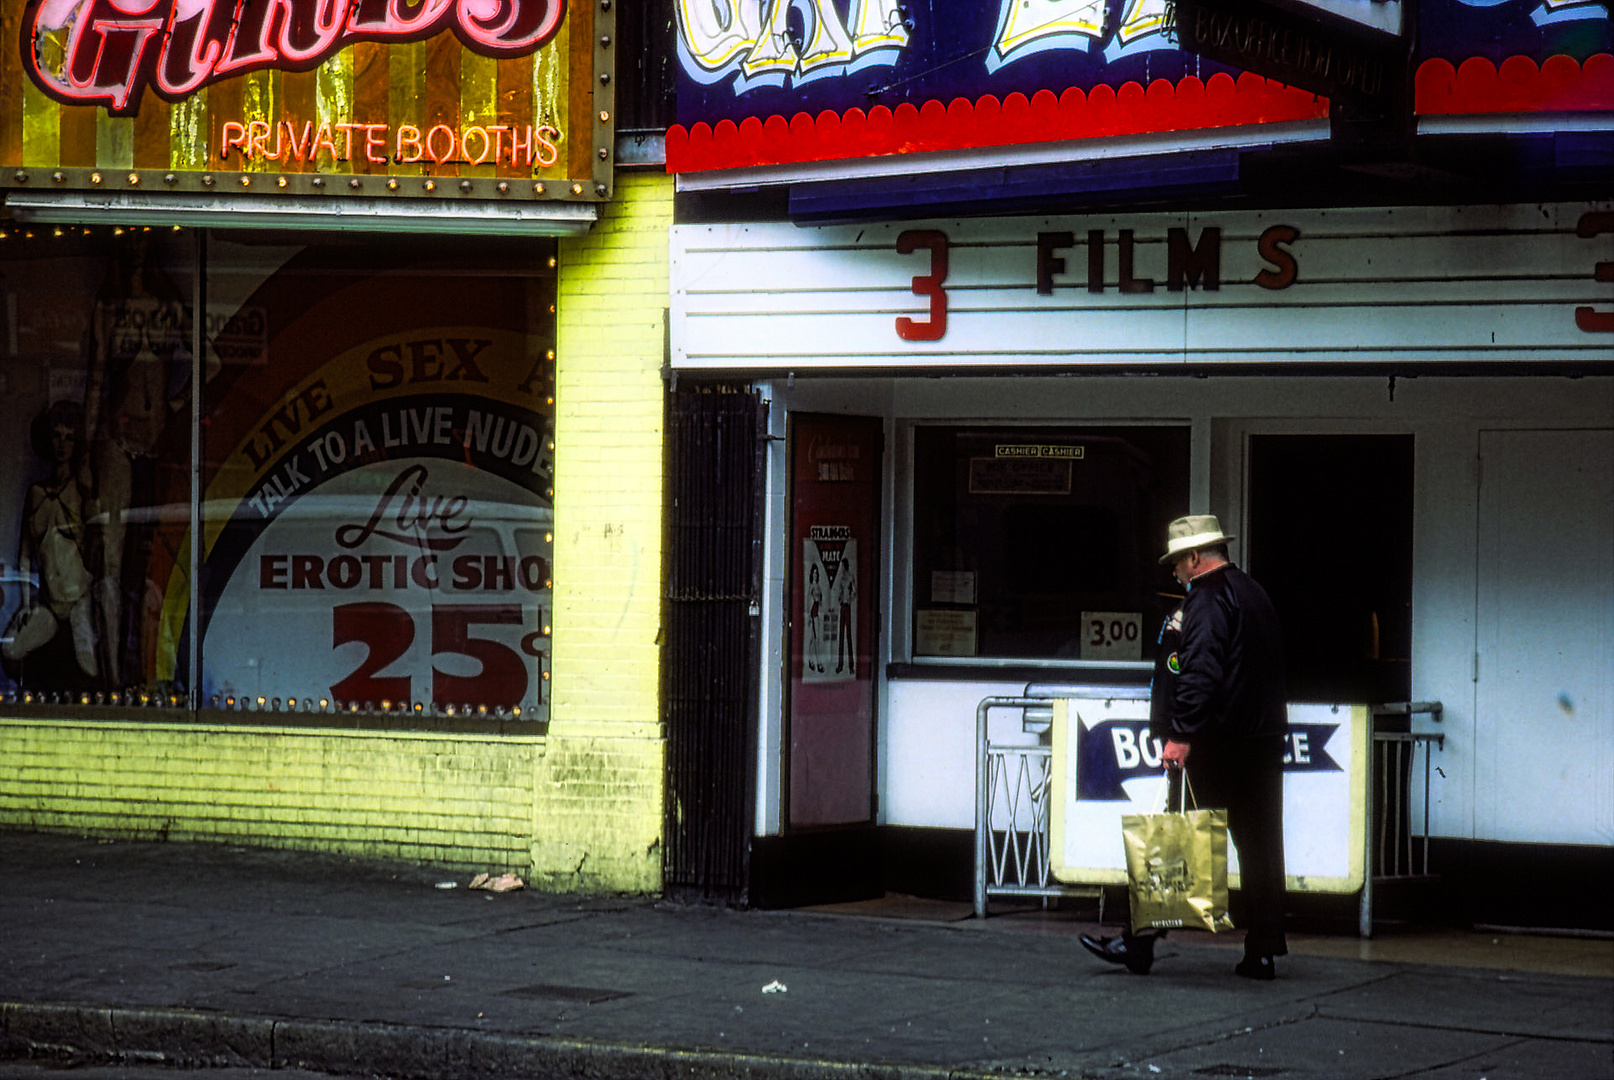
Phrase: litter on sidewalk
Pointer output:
(502, 883)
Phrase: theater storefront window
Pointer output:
(373, 484)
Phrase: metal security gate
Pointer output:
(1013, 788)
(709, 700)
(1396, 845)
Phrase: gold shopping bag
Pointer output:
(1176, 868)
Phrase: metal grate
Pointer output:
(714, 486)
(1013, 786)
(1400, 848)
(1397, 842)
(1017, 801)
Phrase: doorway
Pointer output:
(829, 847)
(1330, 537)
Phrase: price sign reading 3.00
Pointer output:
(1112, 635)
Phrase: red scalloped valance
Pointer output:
(1519, 86)
(1103, 111)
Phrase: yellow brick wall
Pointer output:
(599, 794)
(453, 800)
(578, 809)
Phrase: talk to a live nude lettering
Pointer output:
(106, 52)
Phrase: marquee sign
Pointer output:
(483, 99)
(764, 83)
(1150, 292)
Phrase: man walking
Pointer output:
(1218, 702)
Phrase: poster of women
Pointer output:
(829, 595)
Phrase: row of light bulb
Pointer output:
(28, 233)
(325, 705)
(260, 703)
(125, 697)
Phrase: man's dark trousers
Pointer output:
(1245, 776)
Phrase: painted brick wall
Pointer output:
(453, 800)
(599, 793)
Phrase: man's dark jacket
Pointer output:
(1228, 680)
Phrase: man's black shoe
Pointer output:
(1257, 967)
(1136, 954)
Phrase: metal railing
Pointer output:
(1013, 786)
(1394, 850)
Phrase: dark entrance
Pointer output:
(1330, 537)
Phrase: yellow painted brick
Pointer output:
(181, 783)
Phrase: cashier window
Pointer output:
(1040, 543)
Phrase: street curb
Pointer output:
(188, 1038)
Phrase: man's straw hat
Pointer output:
(1193, 531)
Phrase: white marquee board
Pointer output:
(1303, 287)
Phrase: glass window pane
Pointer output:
(95, 426)
(1041, 542)
(379, 475)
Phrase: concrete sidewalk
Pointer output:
(202, 955)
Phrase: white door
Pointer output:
(1544, 699)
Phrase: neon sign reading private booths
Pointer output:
(114, 49)
(497, 144)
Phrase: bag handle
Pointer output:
(1177, 784)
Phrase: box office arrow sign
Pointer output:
(1113, 752)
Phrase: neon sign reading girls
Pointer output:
(113, 49)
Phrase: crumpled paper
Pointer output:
(502, 883)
